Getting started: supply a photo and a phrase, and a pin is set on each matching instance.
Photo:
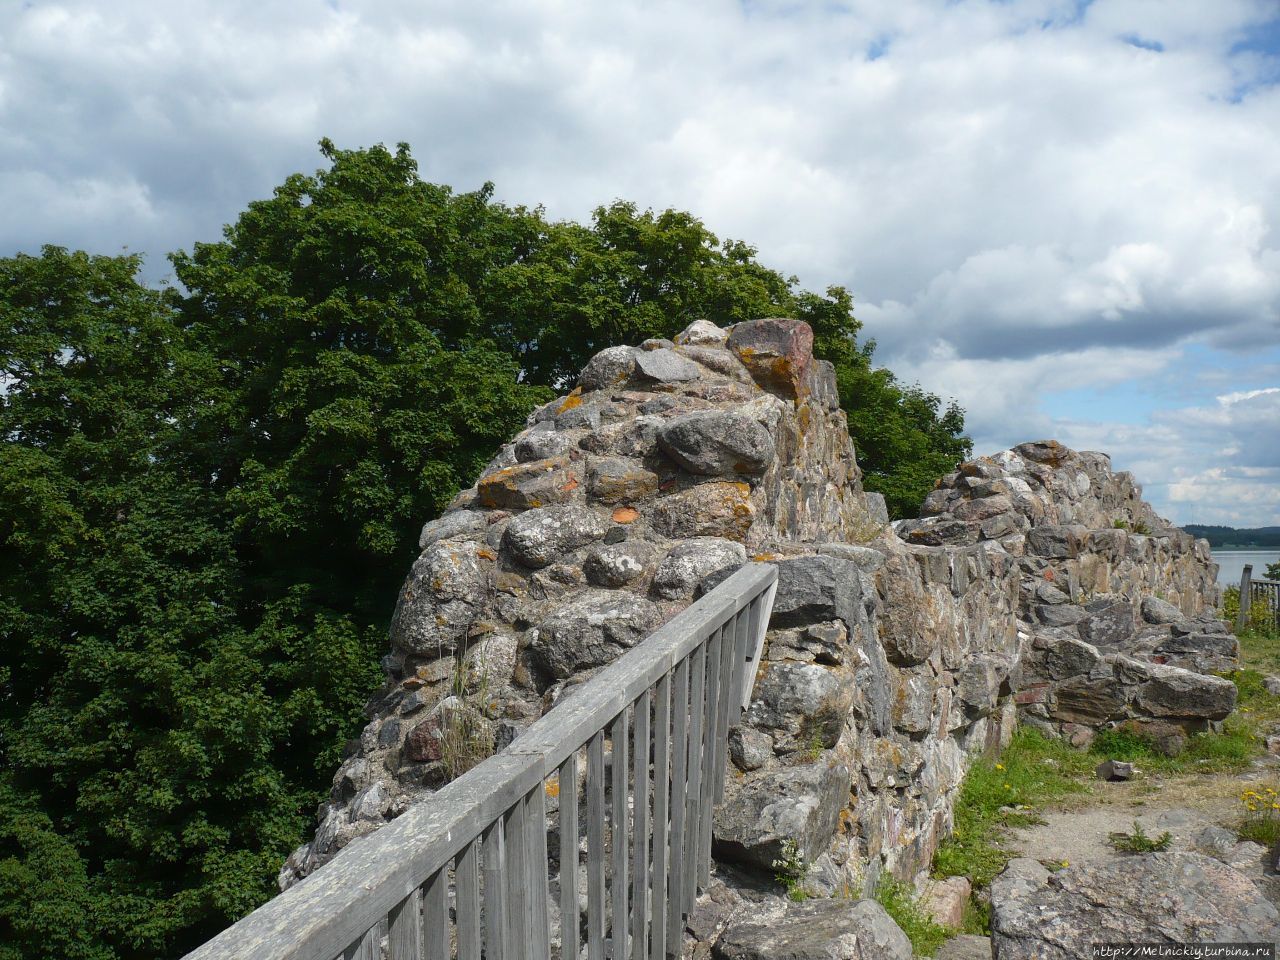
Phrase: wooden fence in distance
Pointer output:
(1255, 594)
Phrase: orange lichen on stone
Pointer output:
(574, 399)
(570, 484)
(625, 515)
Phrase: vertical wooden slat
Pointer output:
(719, 709)
(640, 819)
(706, 788)
(620, 885)
(365, 948)
(569, 857)
(495, 895)
(693, 795)
(540, 922)
(661, 788)
(728, 660)
(517, 879)
(679, 775)
(595, 848)
(742, 652)
(1246, 594)
(467, 898)
(404, 933)
(435, 915)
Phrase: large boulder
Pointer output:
(816, 588)
(777, 352)
(590, 630)
(1173, 692)
(817, 930)
(539, 537)
(439, 599)
(689, 563)
(1159, 898)
(792, 810)
(719, 508)
(717, 443)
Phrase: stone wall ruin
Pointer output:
(1037, 583)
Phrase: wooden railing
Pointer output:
(1258, 592)
(469, 871)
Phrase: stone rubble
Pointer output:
(895, 653)
(1164, 898)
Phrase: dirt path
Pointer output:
(1078, 830)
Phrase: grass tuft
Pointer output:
(900, 902)
(1139, 842)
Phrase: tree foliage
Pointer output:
(208, 498)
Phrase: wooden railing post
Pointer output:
(1246, 589)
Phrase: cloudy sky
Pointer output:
(1065, 214)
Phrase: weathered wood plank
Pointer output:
(467, 898)
(435, 915)
(365, 948)
(404, 933)
(693, 794)
(1246, 594)
(595, 848)
(517, 878)
(539, 919)
(640, 819)
(661, 790)
(618, 882)
(569, 857)
(495, 895)
(679, 772)
(719, 747)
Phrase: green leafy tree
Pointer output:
(208, 500)
(1273, 571)
(138, 783)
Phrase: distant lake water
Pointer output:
(1231, 564)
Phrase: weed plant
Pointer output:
(900, 902)
(1139, 842)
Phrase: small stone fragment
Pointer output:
(610, 366)
(665, 366)
(614, 565)
(1114, 770)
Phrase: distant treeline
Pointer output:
(1231, 537)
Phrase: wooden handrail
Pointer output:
(671, 698)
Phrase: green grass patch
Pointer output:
(1004, 792)
(1260, 650)
(1231, 750)
(900, 902)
